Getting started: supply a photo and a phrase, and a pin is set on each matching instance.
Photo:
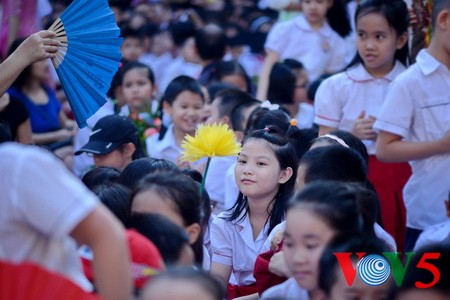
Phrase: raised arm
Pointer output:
(106, 237)
(38, 46)
(391, 148)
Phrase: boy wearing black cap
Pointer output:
(114, 142)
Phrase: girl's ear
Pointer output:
(285, 175)
(167, 108)
(193, 232)
(402, 40)
(130, 149)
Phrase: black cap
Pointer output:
(109, 133)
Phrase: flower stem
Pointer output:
(202, 185)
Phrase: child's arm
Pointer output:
(263, 83)
(391, 148)
(221, 271)
(38, 46)
(106, 237)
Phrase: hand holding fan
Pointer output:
(89, 55)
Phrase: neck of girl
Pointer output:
(32, 85)
(179, 135)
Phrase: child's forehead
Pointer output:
(261, 144)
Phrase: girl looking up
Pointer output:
(351, 100)
(316, 38)
(183, 101)
(317, 213)
(265, 174)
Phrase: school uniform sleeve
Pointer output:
(397, 111)
(328, 108)
(278, 37)
(47, 196)
(221, 241)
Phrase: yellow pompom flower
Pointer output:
(210, 140)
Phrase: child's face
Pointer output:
(300, 179)
(257, 172)
(41, 70)
(137, 89)
(340, 290)
(236, 80)
(214, 113)
(377, 43)
(301, 85)
(175, 289)
(132, 48)
(186, 111)
(305, 238)
(417, 294)
(315, 11)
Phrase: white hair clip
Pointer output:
(337, 139)
(269, 106)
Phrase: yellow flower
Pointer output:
(210, 140)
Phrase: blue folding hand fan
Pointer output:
(89, 55)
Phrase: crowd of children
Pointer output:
(345, 148)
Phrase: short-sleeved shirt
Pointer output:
(417, 108)
(44, 118)
(232, 244)
(342, 97)
(288, 290)
(321, 51)
(41, 203)
(15, 114)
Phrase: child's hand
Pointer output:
(363, 127)
(278, 266)
(276, 240)
(39, 46)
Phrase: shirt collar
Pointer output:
(426, 62)
(360, 74)
(168, 141)
(303, 24)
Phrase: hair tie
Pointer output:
(293, 122)
(266, 129)
(337, 139)
(269, 106)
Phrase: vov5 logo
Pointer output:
(375, 269)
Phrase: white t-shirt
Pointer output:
(41, 203)
(341, 98)
(288, 290)
(417, 108)
(437, 234)
(215, 181)
(232, 244)
(321, 51)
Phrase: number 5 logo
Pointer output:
(423, 264)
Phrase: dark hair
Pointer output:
(293, 64)
(210, 284)
(338, 18)
(139, 168)
(180, 84)
(138, 153)
(5, 132)
(116, 198)
(182, 192)
(232, 67)
(99, 176)
(216, 86)
(228, 99)
(128, 32)
(301, 139)
(210, 41)
(397, 16)
(333, 202)
(24, 76)
(136, 65)
(328, 264)
(262, 117)
(167, 236)
(238, 120)
(334, 162)
(282, 82)
(285, 153)
(181, 31)
(423, 275)
(437, 7)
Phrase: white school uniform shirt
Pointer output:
(166, 148)
(288, 290)
(41, 203)
(231, 188)
(437, 234)
(305, 116)
(215, 181)
(232, 244)
(342, 97)
(320, 51)
(417, 108)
